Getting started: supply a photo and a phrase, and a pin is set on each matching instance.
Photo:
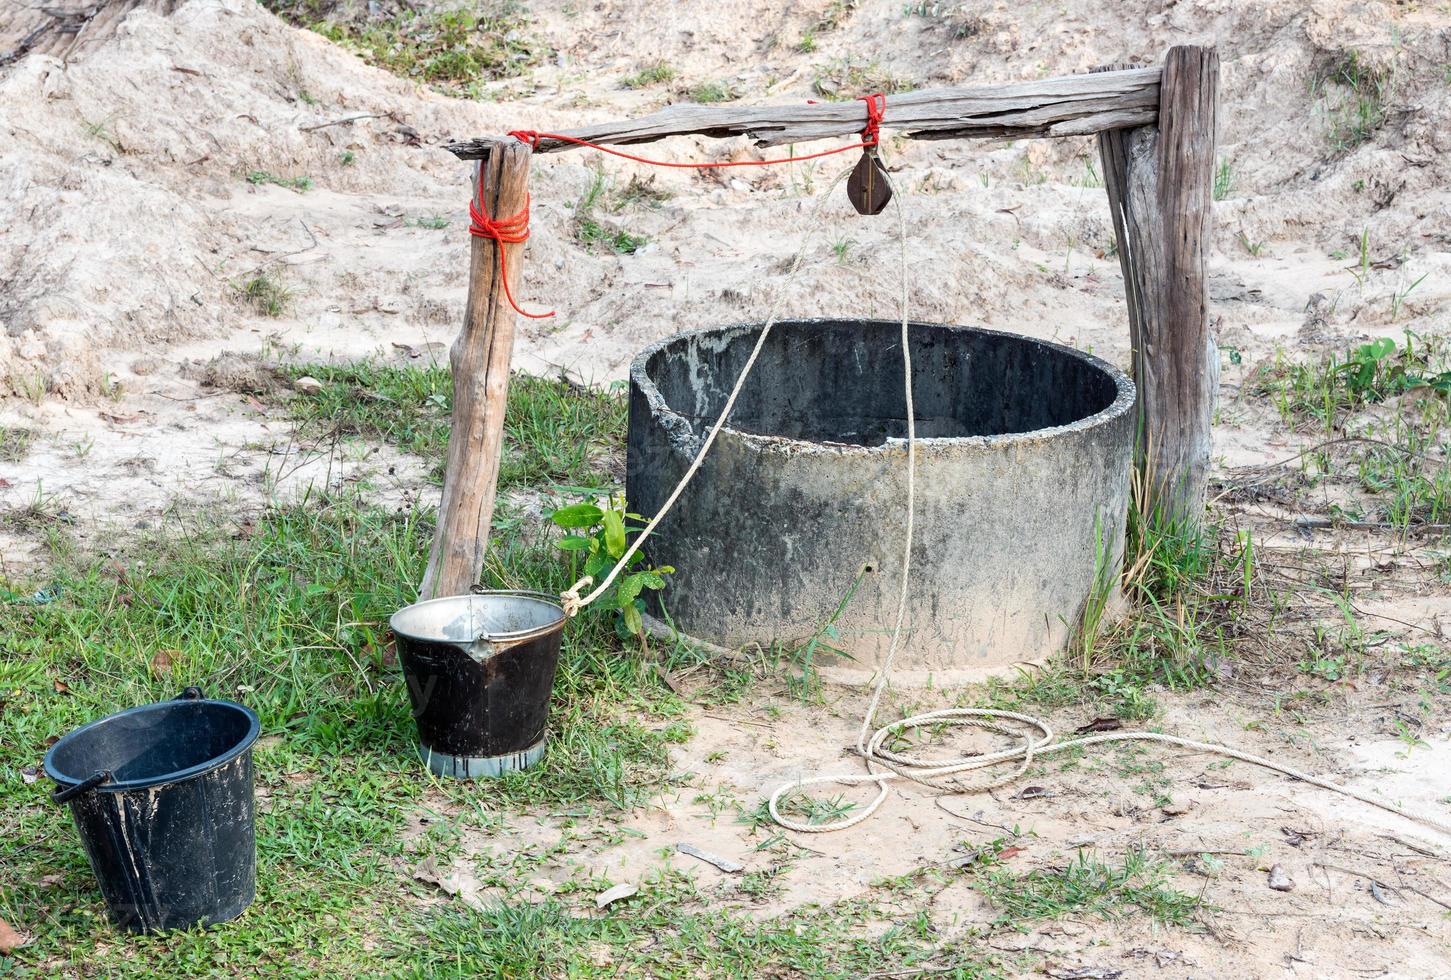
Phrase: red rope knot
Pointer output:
(513, 230)
(526, 136)
(876, 109)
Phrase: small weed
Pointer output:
(1353, 98)
(807, 44)
(101, 131)
(655, 73)
(14, 443)
(347, 158)
(840, 247)
(1223, 180)
(1253, 248)
(300, 184)
(707, 93)
(836, 14)
(434, 222)
(595, 539)
(590, 233)
(266, 293)
(846, 78)
(1398, 300)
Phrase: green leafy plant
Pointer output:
(597, 535)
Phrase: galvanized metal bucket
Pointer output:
(480, 671)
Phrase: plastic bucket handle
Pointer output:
(100, 776)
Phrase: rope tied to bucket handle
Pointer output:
(570, 599)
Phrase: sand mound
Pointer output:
(132, 224)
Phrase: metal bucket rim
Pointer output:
(543, 598)
(244, 744)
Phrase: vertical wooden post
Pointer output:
(480, 363)
(1160, 182)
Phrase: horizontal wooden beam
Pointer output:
(1073, 105)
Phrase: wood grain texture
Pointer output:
(480, 363)
(1073, 105)
(1160, 189)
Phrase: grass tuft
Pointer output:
(266, 293)
(555, 431)
(655, 73)
(454, 48)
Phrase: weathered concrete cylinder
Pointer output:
(1024, 455)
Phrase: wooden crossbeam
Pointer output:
(1071, 105)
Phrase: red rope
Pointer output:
(506, 231)
(515, 229)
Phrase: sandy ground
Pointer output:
(127, 223)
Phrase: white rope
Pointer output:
(1037, 738)
(570, 598)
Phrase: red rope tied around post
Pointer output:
(515, 230)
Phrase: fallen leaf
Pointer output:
(308, 384)
(61, 688)
(614, 895)
(668, 678)
(29, 775)
(1010, 852)
(1035, 793)
(428, 873)
(161, 662)
(5, 484)
(10, 940)
(1083, 973)
(1278, 880)
(1100, 725)
(119, 419)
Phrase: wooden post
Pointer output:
(480, 362)
(1160, 182)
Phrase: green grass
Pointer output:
(1089, 886)
(555, 432)
(1223, 180)
(1353, 97)
(593, 233)
(1382, 407)
(287, 614)
(655, 73)
(847, 78)
(266, 293)
(452, 48)
(301, 184)
(14, 443)
(707, 93)
(664, 932)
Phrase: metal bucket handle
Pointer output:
(482, 648)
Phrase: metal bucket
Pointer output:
(480, 671)
(162, 798)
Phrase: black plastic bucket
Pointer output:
(162, 798)
(480, 670)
